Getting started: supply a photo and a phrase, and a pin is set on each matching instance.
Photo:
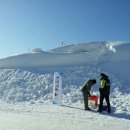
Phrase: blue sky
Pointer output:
(28, 24)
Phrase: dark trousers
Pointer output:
(85, 97)
(106, 97)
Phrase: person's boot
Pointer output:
(99, 110)
(87, 109)
(109, 110)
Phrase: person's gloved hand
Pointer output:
(89, 95)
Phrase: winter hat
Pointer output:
(102, 74)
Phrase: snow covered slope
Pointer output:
(27, 77)
(86, 53)
(52, 117)
(26, 83)
(112, 56)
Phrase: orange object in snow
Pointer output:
(94, 98)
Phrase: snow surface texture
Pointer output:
(26, 84)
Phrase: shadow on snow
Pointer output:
(116, 115)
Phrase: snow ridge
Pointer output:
(112, 44)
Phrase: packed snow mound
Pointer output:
(29, 76)
(120, 49)
(93, 53)
(18, 85)
(91, 46)
(82, 47)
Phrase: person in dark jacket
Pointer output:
(104, 92)
(86, 91)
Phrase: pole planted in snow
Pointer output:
(57, 89)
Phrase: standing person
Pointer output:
(86, 92)
(104, 92)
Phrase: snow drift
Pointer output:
(29, 77)
(26, 83)
(112, 56)
(86, 53)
